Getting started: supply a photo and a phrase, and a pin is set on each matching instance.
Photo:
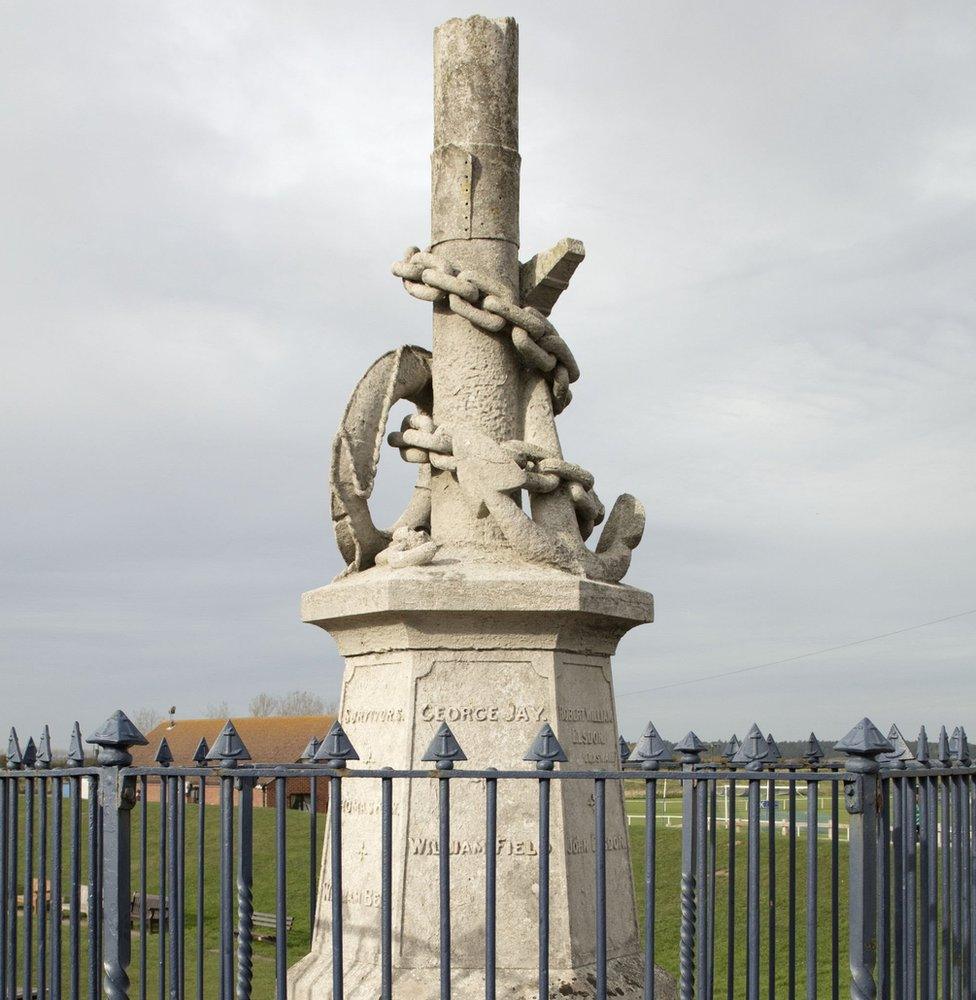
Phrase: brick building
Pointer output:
(269, 739)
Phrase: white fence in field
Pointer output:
(669, 810)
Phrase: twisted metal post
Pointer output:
(863, 745)
(116, 798)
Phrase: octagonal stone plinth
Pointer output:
(494, 652)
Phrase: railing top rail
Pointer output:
(52, 772)
(797, 776)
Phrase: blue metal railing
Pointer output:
(909, 898)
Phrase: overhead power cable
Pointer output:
(799, 656)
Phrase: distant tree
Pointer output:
(218, 710)
(291, 703)
(300, 703)
(263, 704)
(146, 719)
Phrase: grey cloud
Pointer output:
(775, 323)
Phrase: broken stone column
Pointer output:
(477, 614)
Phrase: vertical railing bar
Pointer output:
(281, 891)
(386, 890)
(771, 915)
(911, 937)
(43, 882)
(885, 959)
(245, 887)
(181, 885)
(731, 914)
(226, 847)
(650, 882)
(964, 883)
(931, 862)
(99, 888)
(971, 886)
(712, 849)
(13, 871)
(701, 878)
(491, 882)
(813, 858)
(164, 907)
(313, 841)
(600, 811)
(945, 876)
(57, 831)
(335, 849)
(791, 887)
(201, 884)
(172, 901)
(956, 884)
(28, 989)
(835, 891)
(4, 796)
(753, 908)
(686, 944)
(143, 883)
(75, 883)
(898, 888)
(543, 842)
(94, 900)
(444, 885)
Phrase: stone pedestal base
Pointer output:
(495, 653)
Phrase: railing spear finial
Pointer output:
(959, 747)
(444, 749)
(754, 751)
(15, 759)
(228, 748)
(164, 756)
(731, 748)
(922, 751)
(546, 751)
(76, 749)
(336, 749)
(814, 752)
(44, 755)
(650, 750)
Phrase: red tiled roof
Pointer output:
(272, 739)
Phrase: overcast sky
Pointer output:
(775, 322)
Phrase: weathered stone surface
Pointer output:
(469, 611)
(494, 653)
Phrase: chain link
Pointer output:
(420, 441)
(489, 305)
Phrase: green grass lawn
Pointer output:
(668, 914)
(297, 880)
(297, 865)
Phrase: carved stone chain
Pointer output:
(490, 306)
(420, 440)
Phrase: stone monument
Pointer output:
(482, 607)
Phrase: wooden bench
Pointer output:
(154, 911)
(266, 926)
(36, 895)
